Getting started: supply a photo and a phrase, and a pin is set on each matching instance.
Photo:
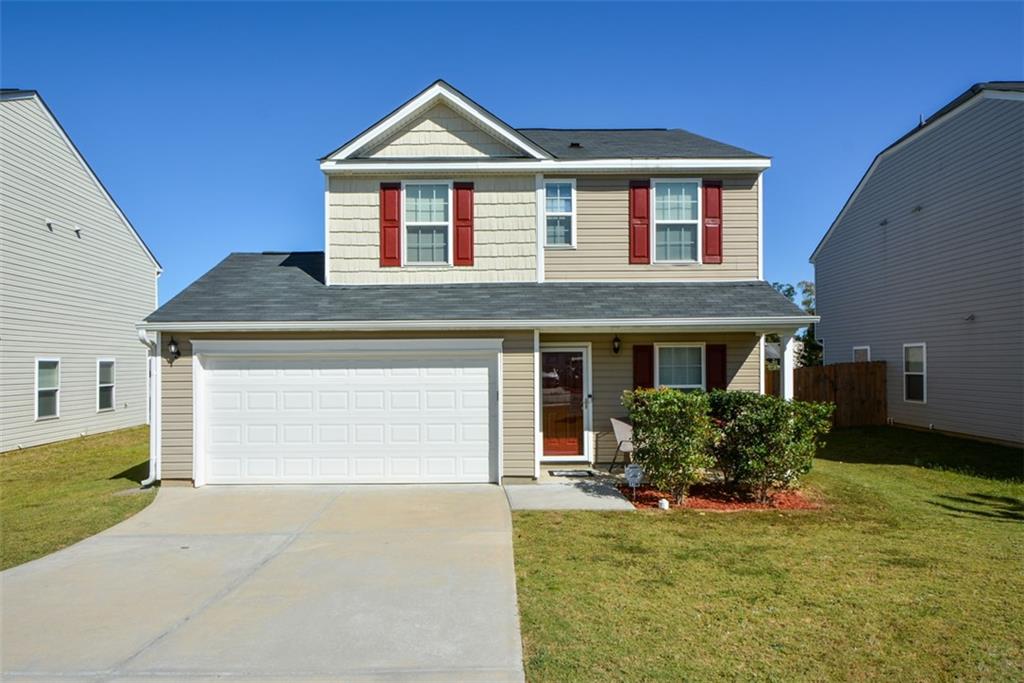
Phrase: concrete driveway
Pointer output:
(409, 583)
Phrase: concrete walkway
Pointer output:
(591, 493)
(412, 583)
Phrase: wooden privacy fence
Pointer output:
(857, 389)
(771, 381)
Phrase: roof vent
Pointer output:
(575, 145)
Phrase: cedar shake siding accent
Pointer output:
(948, 274)
(603, 246)
(64, 296)
(504, 234)
(440, 132)
(613, 373)
(517, 394)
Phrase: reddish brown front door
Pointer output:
(562, 374)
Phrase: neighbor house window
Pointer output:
(559, 213)
(105, 384)
(861, 354)
(676, 218)
(915, 364)
(47, 387)
(679, 366)
(427, 225)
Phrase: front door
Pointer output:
(564, 400)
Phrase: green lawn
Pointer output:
(914, 570)
(52, 496)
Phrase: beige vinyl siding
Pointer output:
(517, 394)
(440, 132)
(504, 232)
(612, 373)
(76, 298)
(602, 241)
(949, 275)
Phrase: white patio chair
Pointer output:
(623, 432)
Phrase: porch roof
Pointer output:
(252, 290)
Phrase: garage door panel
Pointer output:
(344, 419)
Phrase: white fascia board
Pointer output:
(695, 324)
(439, 92)
(983, 95)
(545, 165)
(236, 347)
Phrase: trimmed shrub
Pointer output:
(672, 436)
(765, 442)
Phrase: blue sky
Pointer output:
(205, 120)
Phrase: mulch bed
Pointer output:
(718, 498)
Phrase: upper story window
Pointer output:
(105, 384)
(427, 223)
(915, 364)
(560, 213)
(679, 366)
(676, 221)
(47, 388)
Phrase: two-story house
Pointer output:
(484, 297)
(75, 278)
(923, 268)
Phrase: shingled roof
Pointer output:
(289, 287)
(632, 143)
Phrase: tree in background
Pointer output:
(810, 348)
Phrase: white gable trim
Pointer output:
(438, 92)
(983, 95)
(31, 94)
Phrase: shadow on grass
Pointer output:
(134, 473)
(897, 446)
(996, 508)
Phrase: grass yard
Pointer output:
(52, 496)
(914, 570)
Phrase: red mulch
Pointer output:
(718, 498)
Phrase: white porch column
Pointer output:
(786, 371)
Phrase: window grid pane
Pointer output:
(675, 242)
(558, 197)
(47, 403)
(559, 230)
(427, 244)
(675, 201)
(106, 401)
(680, 366)
(106, 372)
(426, 203)
(914, 387)
(48, 374)
(913, 359)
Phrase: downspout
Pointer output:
(152, 370)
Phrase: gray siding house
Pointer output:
(75, 277)
(924, 268)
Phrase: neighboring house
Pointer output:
(75, 278)
(924, 268)
(485, 296)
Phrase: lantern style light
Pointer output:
(616, 345)
(172, 348)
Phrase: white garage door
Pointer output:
(345, 419)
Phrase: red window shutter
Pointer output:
(643, 366)
(715, 371)
(463, 199)
(712, 221)
(640, 221)
(390, 224)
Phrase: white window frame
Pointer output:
(35, 394)
(923, 373)
(451, 224)
(112, 385)
(654, 220)
(571, 182)
(861, 348)
(689, 345)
